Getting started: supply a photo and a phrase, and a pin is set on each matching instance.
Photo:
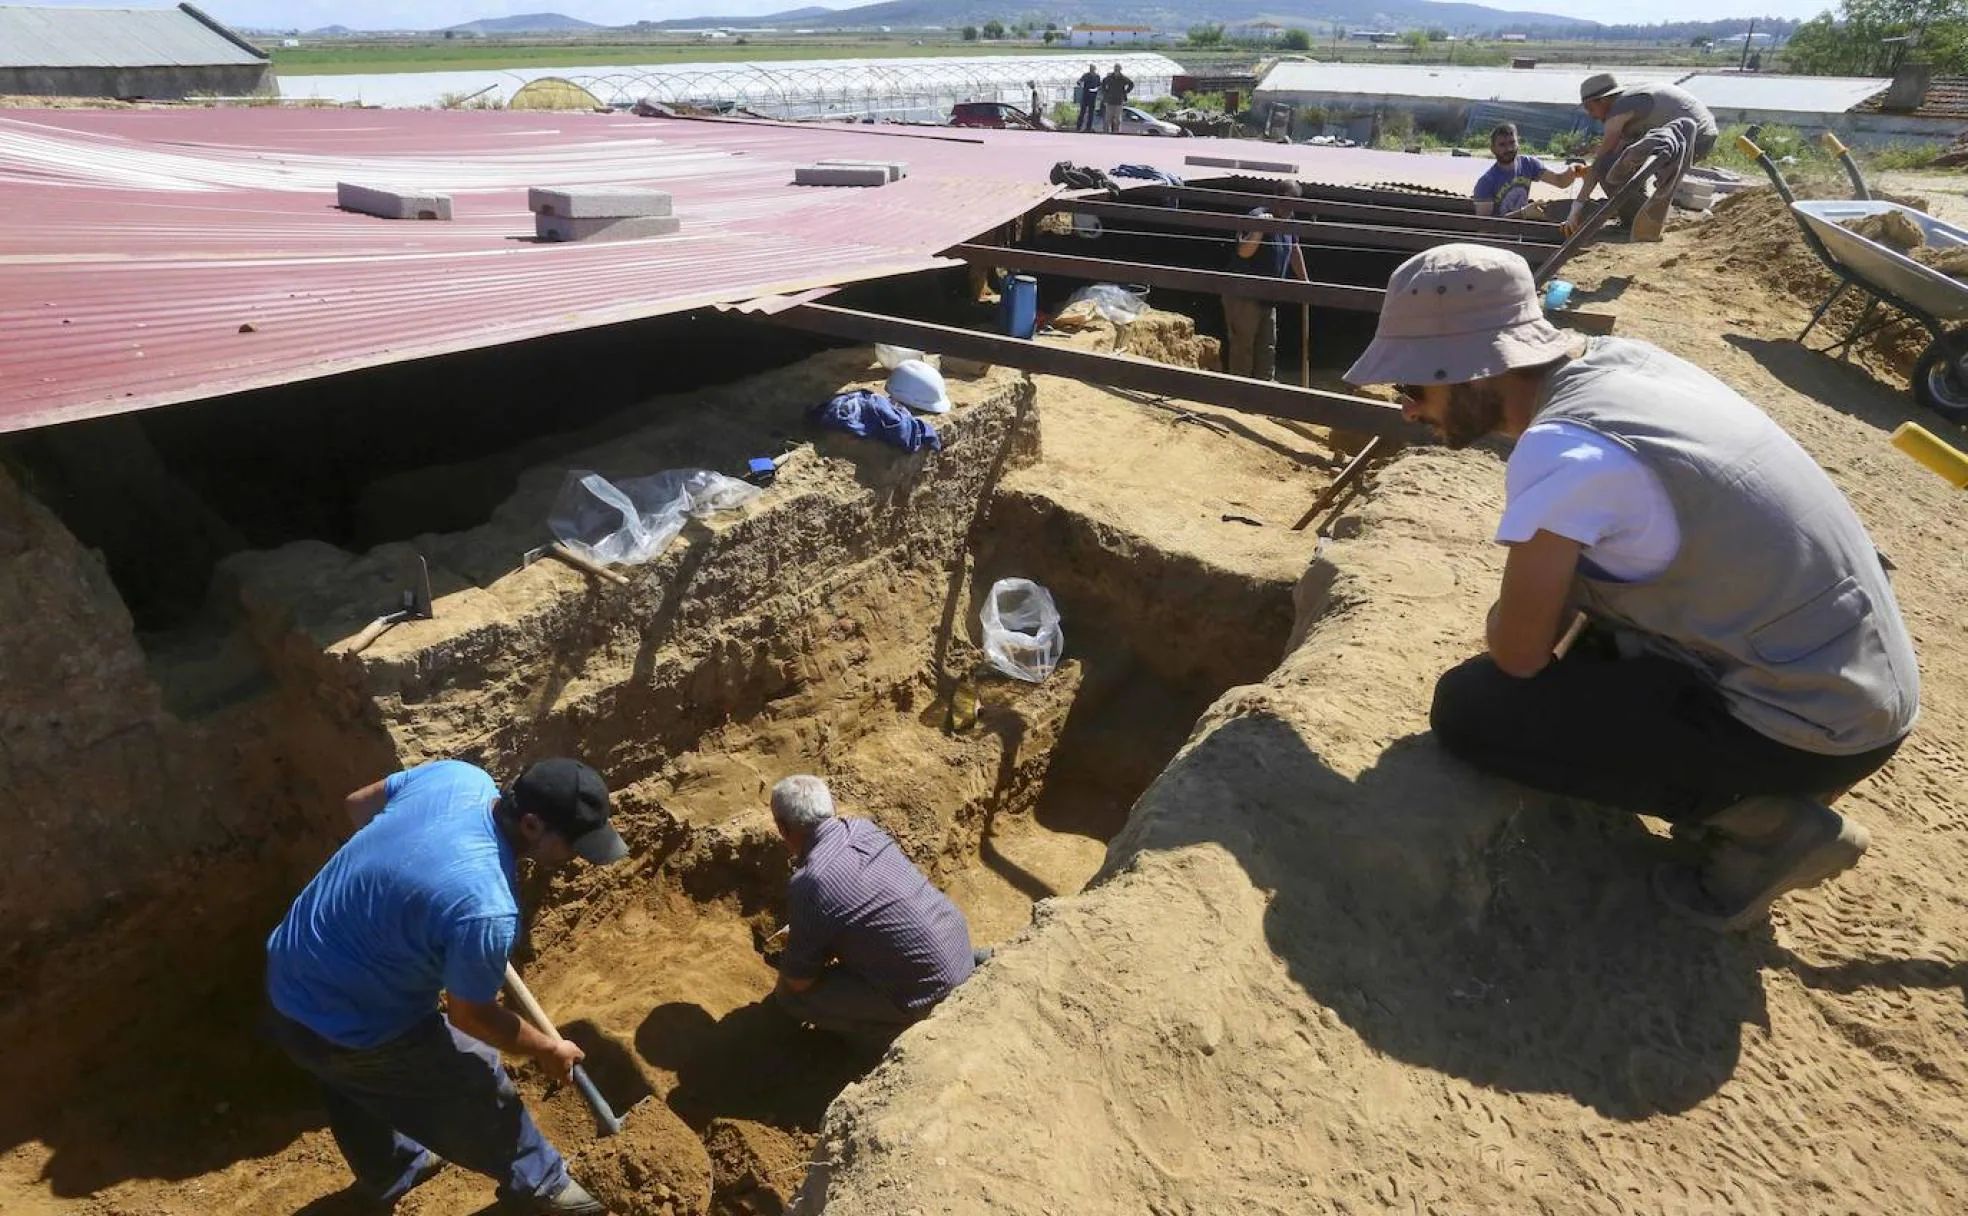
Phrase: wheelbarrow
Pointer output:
(1887, 276)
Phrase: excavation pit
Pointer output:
(829, 627)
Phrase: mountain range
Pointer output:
(1161, 14)
(526, 23)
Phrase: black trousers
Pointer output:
(1647, 735)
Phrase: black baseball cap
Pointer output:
(572, 799)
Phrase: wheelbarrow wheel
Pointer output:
(1940, 381)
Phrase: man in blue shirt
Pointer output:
(1250, 342)
(1505, 188)
(1089, 96)
(871, 946)
(422, 901)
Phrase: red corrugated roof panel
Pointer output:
(157, 256)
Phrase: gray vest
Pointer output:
(1777, 592)
(1656, 105)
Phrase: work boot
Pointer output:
(571, 1200)
(1759, 849)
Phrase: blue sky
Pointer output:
(434, 14)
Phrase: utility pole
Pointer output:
(1744, 65)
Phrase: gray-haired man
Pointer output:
(871, 946)
(1749, 663)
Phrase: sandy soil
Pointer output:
(1327, 969)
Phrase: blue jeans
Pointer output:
(430, 1088)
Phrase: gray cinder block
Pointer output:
(596, 202)
(604, 228)
(840, 175)
(393, 204)
(897, 169)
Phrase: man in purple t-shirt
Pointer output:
(1505, 189)
(871, 946)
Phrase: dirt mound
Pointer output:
(756, 1167)
(1753, 237)
(655, 1167)
(1891, 228)
(1165, 337)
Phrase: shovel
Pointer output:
(416, 606)
(607, 1123)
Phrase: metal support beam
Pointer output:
(1311, 234)
(1119, 371)
(1597, 219)
(1213, 282)
(1320, 209)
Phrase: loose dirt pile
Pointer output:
(1752, 237)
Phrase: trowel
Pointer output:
(416, 606)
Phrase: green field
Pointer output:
(349, 56)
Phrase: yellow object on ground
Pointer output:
(553, 93)
(1934, 452)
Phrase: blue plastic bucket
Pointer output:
(1018, 308)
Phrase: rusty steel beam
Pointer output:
(1119, 371)
(1213, 282)
(1321, 209)
(1384, 196)
(1311, 234)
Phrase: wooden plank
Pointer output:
(1273, 400)
(1214, 282)
(1311, 234)
(1365, 213)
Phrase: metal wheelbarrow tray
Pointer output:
(1940, 378)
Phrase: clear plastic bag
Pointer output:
(1023, 637)
(1112, 301)
(634, 520)
(892, 357)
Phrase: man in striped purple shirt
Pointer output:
(871, 946)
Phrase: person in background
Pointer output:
(870, 947)
(1250, 343)
(1089, 96)
(1114, 90)
(1505, 187)
(420, 903)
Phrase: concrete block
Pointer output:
(596, 202)
(840, 175)
(604, 228)
(393, 204)
(897, 169)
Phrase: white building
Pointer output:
(1110, 35)
(1255, 31)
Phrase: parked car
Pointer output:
(1140, 122)
(998, 115)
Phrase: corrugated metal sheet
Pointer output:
(113, 38)
(159, 236)
(1549, 86)
(1782, 94)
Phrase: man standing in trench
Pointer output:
(870, 946)
(1745, 661)
(1640, 120)
(1250, 342)
(422, 901)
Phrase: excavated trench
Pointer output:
(830, 627)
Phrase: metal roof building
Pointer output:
(190, 253)
(160, 53)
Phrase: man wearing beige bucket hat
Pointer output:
(1631, 115)
(1743, 660)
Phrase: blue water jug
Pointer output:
(1557, 294)
(1018, 308)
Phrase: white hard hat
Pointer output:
(919, 386)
